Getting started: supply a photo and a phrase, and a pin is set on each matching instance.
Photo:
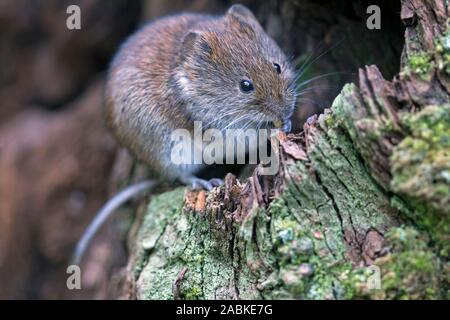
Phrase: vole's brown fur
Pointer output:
(188, 67)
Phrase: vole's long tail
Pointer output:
(107, 209)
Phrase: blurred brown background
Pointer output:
(56, 155)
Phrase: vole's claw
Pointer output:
(216, 182)
(198, 184)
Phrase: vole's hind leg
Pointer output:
(198, 183)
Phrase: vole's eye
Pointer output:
(246, 86)
(277, 67)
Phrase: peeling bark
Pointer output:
(365, 183)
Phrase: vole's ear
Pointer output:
(192, 42)
(188, 43)
(244, 15)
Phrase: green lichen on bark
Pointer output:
(421, 171)
(170, 240)
(151, 253)
(424, 63)
(443, 50)
(420, 64)
(411, 270)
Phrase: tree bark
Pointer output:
(366, 183)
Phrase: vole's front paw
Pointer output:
(198, 184)
(287, 126)
(216, 182)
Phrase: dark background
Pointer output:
(56, 156)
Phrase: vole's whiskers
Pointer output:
(237, 120)
(309, 100)
(309, 89)
(308, 63)
(305, 65)
(225, 115)
(260, 122)
(302, 84)
(253, 121)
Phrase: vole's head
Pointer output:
(235, 75)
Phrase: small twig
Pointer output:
(176, 284)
